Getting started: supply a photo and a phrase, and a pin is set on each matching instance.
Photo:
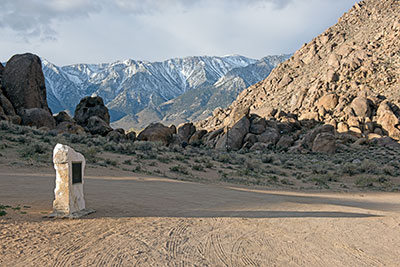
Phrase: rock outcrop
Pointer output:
(91, 106)
(92, 114)
(23, 92)
(347, 77)
(23, 83)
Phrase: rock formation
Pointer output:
(347, 77)
(24, 92)
(157, 132)
(92, 114)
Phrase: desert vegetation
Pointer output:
(371, 168)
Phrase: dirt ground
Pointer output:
(148, 221)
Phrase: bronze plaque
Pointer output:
(76, 172)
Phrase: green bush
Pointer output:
(179, 169)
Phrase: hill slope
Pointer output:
(349, 76)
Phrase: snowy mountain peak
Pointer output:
(128, 87)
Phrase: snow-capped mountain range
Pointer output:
(140, 92)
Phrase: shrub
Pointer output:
(127, 162)
(111, 162)
(179, 169)
(198, 167)
(34, 149)
(91, 155)
(350, 169)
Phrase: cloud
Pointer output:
(36, 18)
(88, 31)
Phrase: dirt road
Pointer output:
(148, 221)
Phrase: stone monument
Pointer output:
(70, 169)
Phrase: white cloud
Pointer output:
(107, 30)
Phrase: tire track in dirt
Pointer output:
(176, 241)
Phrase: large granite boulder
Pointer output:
(185, 131)
(324, 143)
(117, 135)
(37, 117)
(328, 101)
(63, 117)
(362, 106)
(6, 105)
(270, 136)
(196, 138)
(233, 138)
(96, 125)
(89, 107)
(157, 132)
(23, 83)
(388, 120)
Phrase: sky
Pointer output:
(102, 31)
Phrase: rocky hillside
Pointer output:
(138, 93)
(348, 77)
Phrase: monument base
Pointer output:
(74, 215)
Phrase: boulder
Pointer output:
(328, 101)
(362, 106)
(324, 143)
(185, 131)
(257, 125)
(95, 125)
(386, 142)
(312, 115)
(157, 132)
(116, 135)
(63, 117)
(23, 83)
(212, 138)
(270, 136)
(342, 127)
(37, 117)
(390, 123)
(233, 138)
(6, 105)
(237, 114)
(197, 136)
(69, 127)
(259, 147)
(131, 136)
(89, 107)
(309, 138)
(285, 141)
